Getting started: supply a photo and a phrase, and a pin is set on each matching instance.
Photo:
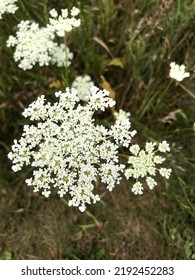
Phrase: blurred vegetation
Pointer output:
(129, 44)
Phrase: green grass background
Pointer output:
(140, 38)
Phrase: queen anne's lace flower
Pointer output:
(178, 72)
(35, 44)
(67, 150)
(143, 165)
(83, 85)
(60, 24)
(61, 56)
(7, 6)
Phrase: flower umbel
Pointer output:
(36, 44)
(7, 6)
(178, 72)
(61, 56)
(60, 24)
(68, 150)
(143, 165)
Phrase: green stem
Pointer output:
(123, 155)
(162, 95)
(187, 90)
(66, 59)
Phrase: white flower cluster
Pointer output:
(178, 72)
(7, 6)
(36, 44)
(61, 56)
(121, 115)
(143, 165)
(120, 130)
(68, 150)
(83, 85)
(60, 24)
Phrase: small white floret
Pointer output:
(137, 188)
(178, 72)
